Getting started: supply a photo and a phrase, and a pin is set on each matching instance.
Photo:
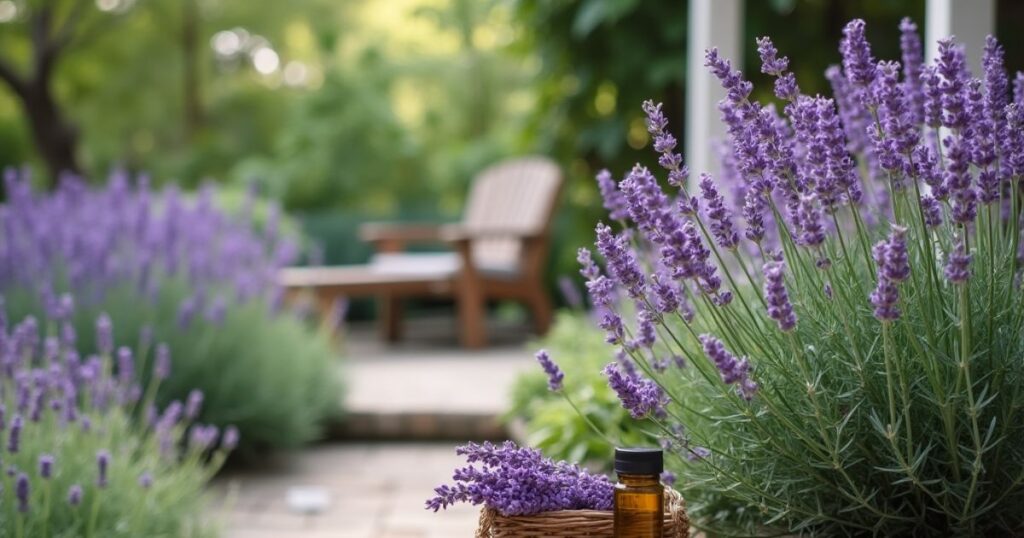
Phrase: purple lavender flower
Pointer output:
(520, 481)
(646, 334)
(668, 478)
(14, 435)
(667, 298)
(733, 371)
(162, 362)
(932, 109)
(75, 495)
(46, 465)
(931, 210)
(146, 480)
(771, 64)
(104, 334)
(554, 373)
(952, 66)
(913, 59)
(102, 463)
(640, 396)
(958, 264)
(125, 365)
(891, 259)
(1018, 89)
(622, 263)
(779, 307)
(720, 220)
(613, 200)
(22, 492)
(812, 232)
(229, 441)
(665, 143)
(570, 293)
(858, 65)
(194, 404)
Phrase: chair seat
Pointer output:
(432, 265)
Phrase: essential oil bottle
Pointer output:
(639, 495)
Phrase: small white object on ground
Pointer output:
(308, 499)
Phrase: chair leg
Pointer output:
(472, 312)
(540, 309)
(390, 318)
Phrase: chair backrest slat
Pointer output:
(518, 195)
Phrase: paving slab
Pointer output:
(373, 490)
(427, 371)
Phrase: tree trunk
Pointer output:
(54, 135)
(190, 64)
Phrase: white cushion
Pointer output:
(430, 265)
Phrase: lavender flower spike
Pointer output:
(779, 307)
(893, 267)
(640, 396)
(22, 492)
(46, 466)
(721, 222)
(75, 495)
(102, 463)
(230, 438)
(14, 436)
(104, 334)
(555, 375)
(858, 65)
(613, 199)
(958, 265)
(733, 370)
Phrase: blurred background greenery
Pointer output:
(350, 110)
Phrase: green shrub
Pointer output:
(191, 275)
(551, 423)
(63, 413)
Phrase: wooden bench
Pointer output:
(497, 251)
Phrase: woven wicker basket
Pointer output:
(576, 523)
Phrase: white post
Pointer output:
(712, 23)
(969, 20)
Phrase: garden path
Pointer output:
(377, 489)
(372, 491)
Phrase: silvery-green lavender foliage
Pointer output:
(183, 272)
(75, 460)
(847, 299)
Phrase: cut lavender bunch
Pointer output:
(519, 481)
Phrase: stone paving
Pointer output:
(377, 490)
(372, 491)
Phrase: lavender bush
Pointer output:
(75, 461)
(181, 271)
(846, 298)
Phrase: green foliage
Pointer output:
(173, 506)
(69, 409)
(266, 373)
(551, 423)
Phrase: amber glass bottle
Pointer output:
(639, 495)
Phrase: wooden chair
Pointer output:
(498, 251)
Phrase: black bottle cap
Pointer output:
(639, 461)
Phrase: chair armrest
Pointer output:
(391, 236)
(459, 234)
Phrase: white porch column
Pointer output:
(969, 20)
(712, 23)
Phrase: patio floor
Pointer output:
(377, 489)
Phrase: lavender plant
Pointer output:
(846, 297)
(181, 271)
(76, 462)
